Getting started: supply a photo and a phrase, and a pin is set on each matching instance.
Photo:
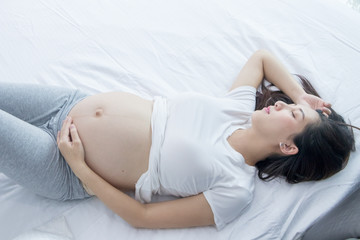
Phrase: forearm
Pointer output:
(126, 207)
(276, 73)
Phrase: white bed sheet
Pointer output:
(165, 47)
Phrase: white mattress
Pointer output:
(165, 47)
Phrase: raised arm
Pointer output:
(262, 64)
(181, 213)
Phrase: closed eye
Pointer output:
(293, 115)
(301, 110)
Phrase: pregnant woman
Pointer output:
(206, 150)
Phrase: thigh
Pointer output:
(30, 156)
(35, 104)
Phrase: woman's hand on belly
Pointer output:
(71, 146)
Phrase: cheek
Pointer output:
(288, 123)
(289, 128)
(278, 125)
(282, 124)
(264, 124)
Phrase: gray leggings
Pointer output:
(30, 116)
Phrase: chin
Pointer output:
(256, 117)
(261, 122)
(258, 113)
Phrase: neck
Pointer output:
(251, 146)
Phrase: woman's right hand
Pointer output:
(315, 103)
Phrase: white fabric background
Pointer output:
(164, 47)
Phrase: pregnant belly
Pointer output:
(115, 130)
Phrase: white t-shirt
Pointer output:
(194, 155)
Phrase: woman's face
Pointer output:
(281, 122)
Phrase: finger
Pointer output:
(64, 134)
(74, 134)
(327, 105)
(326, 110)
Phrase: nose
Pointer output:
(280, 105)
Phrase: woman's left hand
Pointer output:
(70, 145)
(315, 103)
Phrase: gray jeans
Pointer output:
(30, 116)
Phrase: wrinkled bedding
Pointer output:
(162, 48)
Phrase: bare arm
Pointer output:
(186, 212)
(262, 64)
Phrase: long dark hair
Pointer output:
(324, 146)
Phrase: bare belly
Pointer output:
(115, 131)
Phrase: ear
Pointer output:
(288, 148)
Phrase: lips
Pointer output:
(267, 109)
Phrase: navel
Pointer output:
(99, 112)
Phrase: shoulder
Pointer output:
(242, 94)
(242, 97)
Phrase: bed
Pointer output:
(163, 48)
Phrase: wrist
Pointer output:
(81, 170)
(298, 95)
(86, 176)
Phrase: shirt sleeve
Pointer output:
(227, 203)
(244, 96)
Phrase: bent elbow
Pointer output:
(142, 220)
